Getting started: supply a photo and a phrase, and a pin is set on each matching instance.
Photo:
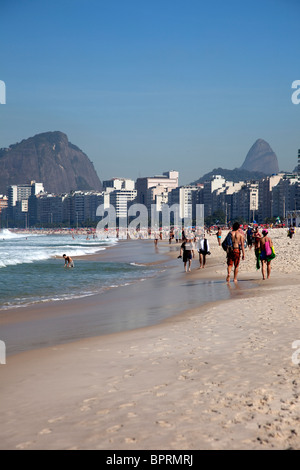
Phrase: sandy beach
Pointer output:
(215, 376)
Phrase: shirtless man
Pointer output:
(263, 255)
(234, 255)
(69, 263)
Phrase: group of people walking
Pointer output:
(263, 246)
(236, 241)
(188, 248)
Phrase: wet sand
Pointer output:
(219, 376)
(144, 303)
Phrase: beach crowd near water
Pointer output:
(216, 375)
(283, 237)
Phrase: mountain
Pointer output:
(261, 158)
(235, 175)
(47, 158)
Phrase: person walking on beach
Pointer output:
(69, 263)
(250, 237)
(266, 254)
(256, 238)
(219, 235)
(234, 252)
(291, 232)
(203, 250)
(187, 253)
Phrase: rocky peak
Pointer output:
(261, 158)
(48, 158)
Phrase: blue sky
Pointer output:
(147, 86)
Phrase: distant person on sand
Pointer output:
(266, 254)
(219, 235)
(249, 236)
(187, 253)
(291, 232)
(256, 238)
(203, 249)
(234, 254)
(69, 263)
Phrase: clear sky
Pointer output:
(146, 86)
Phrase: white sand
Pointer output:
(219, 377)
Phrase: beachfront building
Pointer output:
(18, 195)
(80, 207)
(3, 202)
(245, 202)
(121, 200)
(285, 196)
(185, 197)
(222, 199)
(214, 183)
(19, 192)
(120, 193)
(75, 209)
(166, 182)
(118, 183)
(45, 209)
(265, 196)
(157, 197)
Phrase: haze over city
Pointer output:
(142, 87)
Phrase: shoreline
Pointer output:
(218, 376)
(53, 323)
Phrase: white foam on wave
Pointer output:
(6, 234)
(41, 248)
(137, 264)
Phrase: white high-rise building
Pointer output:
(121, 200)
(21, 192)
(118, 183)
(166, 182)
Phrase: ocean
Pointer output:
(43, 304)
(32, 268)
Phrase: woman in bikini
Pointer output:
(266, 254)
(219, 235)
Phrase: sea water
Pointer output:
(32, 268)
(32, 273)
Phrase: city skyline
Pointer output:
(143, 87)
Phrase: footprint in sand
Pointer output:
(103, 412)
(126, 405)
(114, 429)
(88, 400)
(45, 431)
(165, 412)
(130, 440)
(24, 445)
(164, 424)
(157, 387)
(55, 420)
(85, 408)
